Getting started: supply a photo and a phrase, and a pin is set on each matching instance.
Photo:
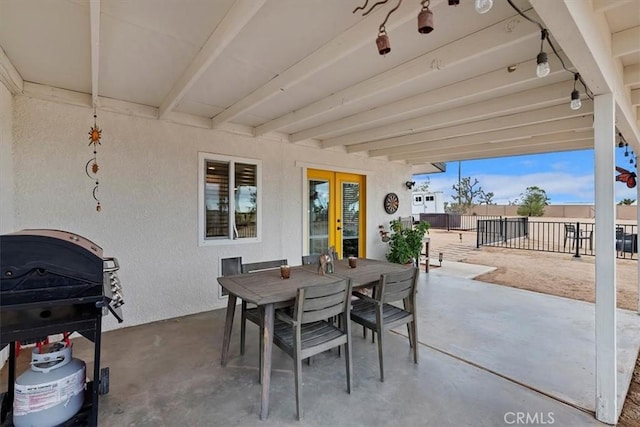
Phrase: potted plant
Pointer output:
(405, 243)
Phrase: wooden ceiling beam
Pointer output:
(563, 136)
(541, 97)
(625, 42)
(580, 123)
(543, 115)
(94, 16)
(431, 101)
(585, 41)
(347, 42)
(601, 6)
(233, 22)
(457, 53)
(631, 75)
(9, 76)
(551, 147)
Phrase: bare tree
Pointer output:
(466, 195)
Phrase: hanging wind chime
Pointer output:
(91, 168)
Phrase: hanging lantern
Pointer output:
(382, 42)
(425, 19)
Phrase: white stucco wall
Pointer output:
(149, 189)
(6, 162)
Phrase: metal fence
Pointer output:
(447, 221)
(577, 238)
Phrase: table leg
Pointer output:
(267, 342)
(228, 323)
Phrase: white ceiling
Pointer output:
(308, 71)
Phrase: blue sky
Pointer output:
(567, 177)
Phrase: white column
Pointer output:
(638, 232)
(606, 351)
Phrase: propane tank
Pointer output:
(52, 391)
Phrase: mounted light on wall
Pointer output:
(409, 184)
(576, 104)
(454, 2)
(483, 6)
(542, 69)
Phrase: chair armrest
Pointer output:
(281, 315)
(365, 297)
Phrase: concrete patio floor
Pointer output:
(542, 341)
(487, 354)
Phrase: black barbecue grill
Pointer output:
(51, 282)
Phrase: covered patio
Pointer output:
(487, 354)
(216, 117)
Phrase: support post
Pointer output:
(577, 241)
(637, 232)
(605, 269)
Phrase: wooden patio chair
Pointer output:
(379, 315)
(252, 313)
(307, 333)
(310, 259)
(571, 235)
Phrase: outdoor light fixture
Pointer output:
(425, 18)
(575, 95)
(483, 6)
(440, 258)
(454, 2)
(542, 60)
(409, 184)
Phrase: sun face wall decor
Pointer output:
(92, 168)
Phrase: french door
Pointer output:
(336, 214)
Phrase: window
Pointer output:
(429, 198)
(417, 200)
(229, 205)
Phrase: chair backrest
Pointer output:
(397, 286)
(407, 222)
(313, 259)
(570, 229)
(263, 265)
(320, 302)
(231, 266)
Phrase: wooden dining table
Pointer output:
(269, 291)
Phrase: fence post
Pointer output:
(577, 240)
(447, 219)
(478, 235)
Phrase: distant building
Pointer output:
(426, 202)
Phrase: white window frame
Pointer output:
(232, 160)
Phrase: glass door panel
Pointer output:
(350, 218)
(320, 211)
(336, 213)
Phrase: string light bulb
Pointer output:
(483, 6)
(542, 69)
(576, 104)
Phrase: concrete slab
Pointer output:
(544, 342)
(459, 269)
(168, 374)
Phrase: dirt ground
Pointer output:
(550, 273)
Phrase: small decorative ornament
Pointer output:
(626, 176)
(391, 203)
(92, 168)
